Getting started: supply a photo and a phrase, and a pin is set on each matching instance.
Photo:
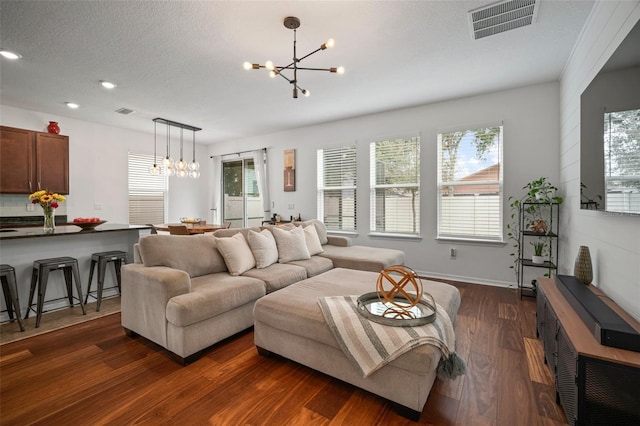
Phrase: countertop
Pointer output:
(67, 229)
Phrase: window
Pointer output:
(622, 161)
(146, 192)
(242, 202)
(470, 184)
(337, 187)
(395, 186)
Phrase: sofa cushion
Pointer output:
(362, 257)
(315, 265)
(236, 253)
(230, 232)
(312, 240)
(195, 254)
(291, 244)
(320, 228)
(278, 275)
(263, 246)
(212, 295)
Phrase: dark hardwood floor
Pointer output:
(91, 374)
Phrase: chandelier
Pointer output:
(293, 23)
(168, 167)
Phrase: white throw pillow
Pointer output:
(264, 248)
(236, 253)
(312, 240)
(291, 244)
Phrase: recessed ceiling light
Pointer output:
(72, 105)
(9, 54)
(108, 84)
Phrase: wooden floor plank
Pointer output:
(92, 373)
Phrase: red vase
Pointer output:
(53, 127)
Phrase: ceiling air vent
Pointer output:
(502, 16)
(125, 111)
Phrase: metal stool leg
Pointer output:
(102, 267)
(118, 264)
(76, 275)
(7, 296)
(42, 289)
(32, 290)
(68, 283)
(93, 265)
(13, 302)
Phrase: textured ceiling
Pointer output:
(182, 60)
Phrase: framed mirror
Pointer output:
(610, 133)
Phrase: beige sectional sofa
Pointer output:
(187, 293)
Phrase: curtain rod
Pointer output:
(238, 153)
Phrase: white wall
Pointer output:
(613, 240)
(531, 135)
(98, 169)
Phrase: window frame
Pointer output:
(475, 237)
(322, 188)
(374, 186)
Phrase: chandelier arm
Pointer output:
(316, 69)
(309, 54)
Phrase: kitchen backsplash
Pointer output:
(16, 205)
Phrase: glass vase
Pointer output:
(49, 220)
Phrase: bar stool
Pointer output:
(8, 277)
(40, 276)
(115, 256)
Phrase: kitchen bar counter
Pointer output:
(68, 229)
(23, 245)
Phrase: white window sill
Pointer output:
(353, 234)
(470, 241)
(391, 235)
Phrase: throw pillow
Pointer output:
(312, 240)
(263, 246)
(236, 253)
(291, 244)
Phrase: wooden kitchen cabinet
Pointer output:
(30, 161)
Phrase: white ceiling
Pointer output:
(182, 60)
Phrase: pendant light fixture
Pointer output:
(155, 169)
(181, 165)
(194, 166)
(292, 23)
(179, 168)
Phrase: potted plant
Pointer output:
(538, 252)
(541, 194)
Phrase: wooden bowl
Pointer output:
(87, 226)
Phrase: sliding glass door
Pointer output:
(242, 203)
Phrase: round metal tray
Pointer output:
(372, 308)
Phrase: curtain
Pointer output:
(216, 194)
(260, 164)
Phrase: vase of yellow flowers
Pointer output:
(49, 203)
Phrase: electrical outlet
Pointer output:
(97, 206)
(452, 253)
(291, 206)
(31, 207)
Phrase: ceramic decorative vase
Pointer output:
(53, 127)
(49, 220)
(582, 268)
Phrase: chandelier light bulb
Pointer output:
(329, 44)
(340, 70)
(269, 65)
(181, 165)
(154, 170)
(167, 162)
(194, 165)
(194, 174)
(306, 92)
(247, 65)
(273, 74)
(181, 173)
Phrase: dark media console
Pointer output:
(596, 384)
(609, 328)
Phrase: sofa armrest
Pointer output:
(340, 241)
(145, 294)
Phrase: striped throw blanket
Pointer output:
(370, 345)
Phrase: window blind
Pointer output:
(470, 184)
(336, 181)
(146, 191)
(395, 185)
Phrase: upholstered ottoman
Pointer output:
(290, 323)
